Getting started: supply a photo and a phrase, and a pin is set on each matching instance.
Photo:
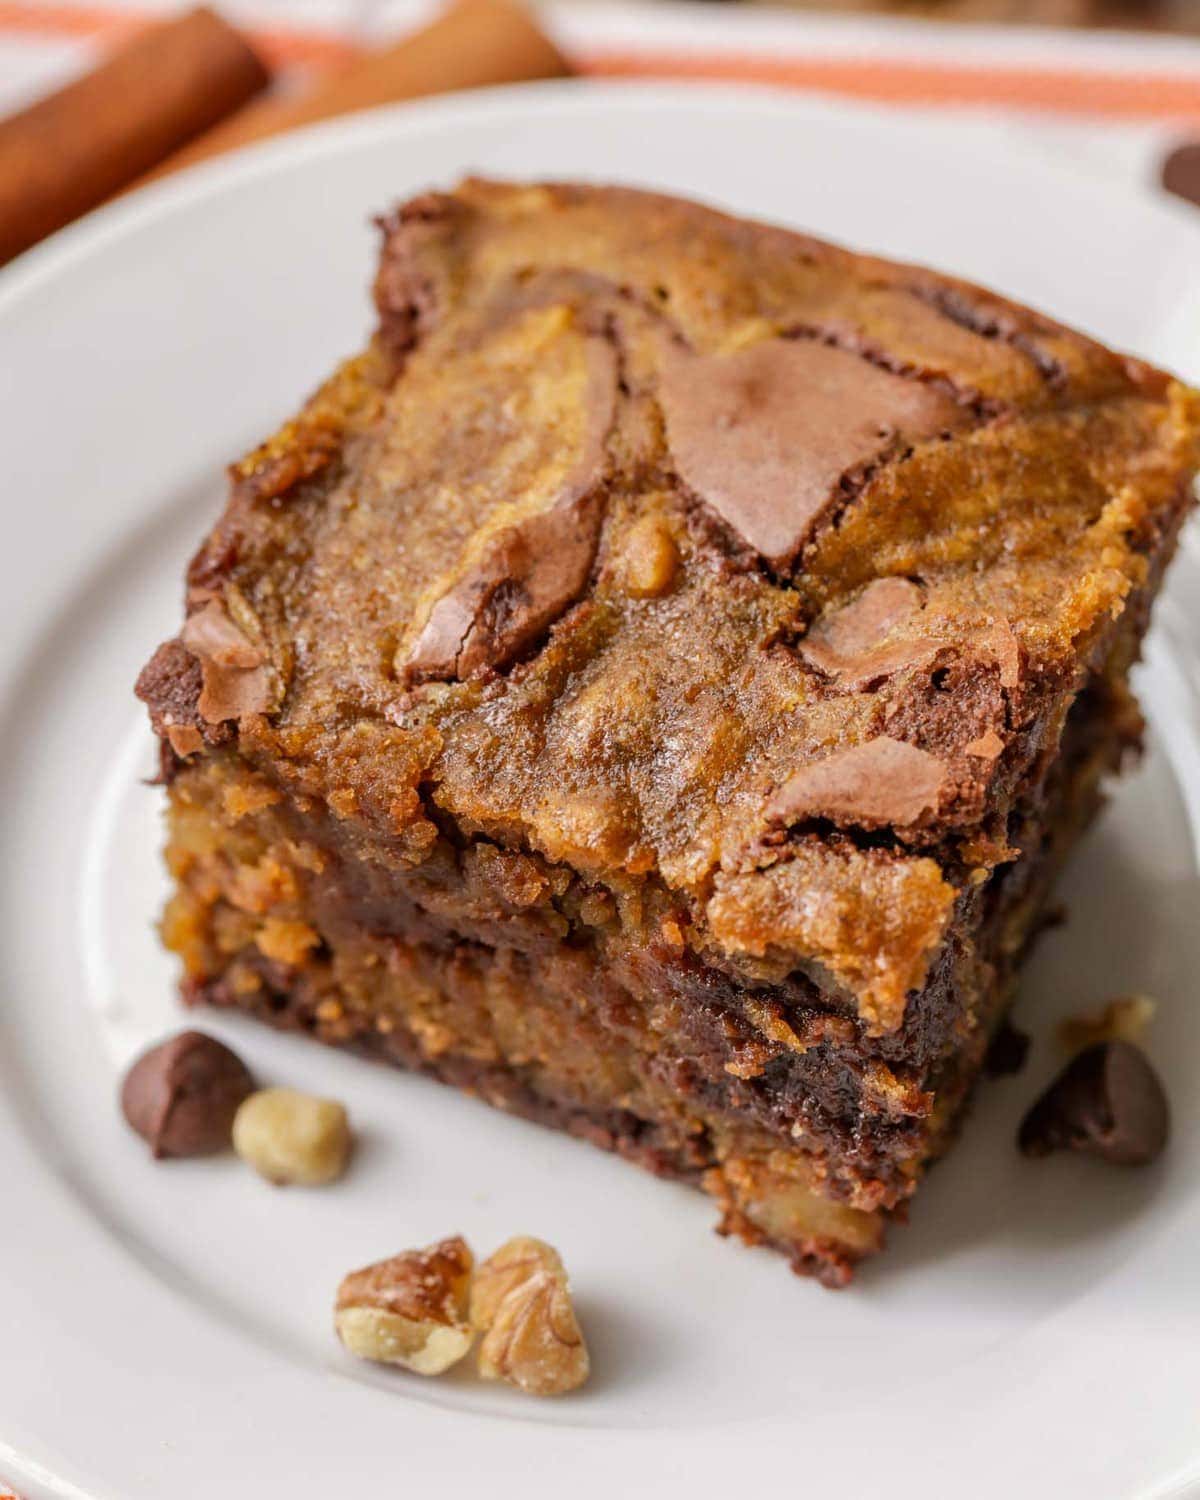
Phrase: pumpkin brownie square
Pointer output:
(654, 686)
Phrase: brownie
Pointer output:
(653, 687)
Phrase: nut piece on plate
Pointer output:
(409, 1310)
(531, 1337)
(1107, 1102)
(182, 1095)
(290, 1137)
(1122, 1020)
(505, 1269)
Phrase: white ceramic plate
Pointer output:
(164, 1330)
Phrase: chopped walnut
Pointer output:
(516, 1261)
(290, 1137)
(248, 796)
(1122, 1020)
(531, 1337)
(343, 801)
(597, 909)
(409, 1310)
(651, 558)
(768, 1018)
(671, 932)
(286, 940)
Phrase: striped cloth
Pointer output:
(1112, 102)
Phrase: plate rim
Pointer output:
(66, 252)
(138, 210)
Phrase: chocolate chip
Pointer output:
(851, 643)
(531, 571)
(775, 435)
(987, 746)
(880, 783)
(416, 278)
(1107, 1102)
(169, 685)
(999, 642)
(523, 582)
(182, 1095)
(236, 678)
(1181, 172)
(1007, 1053)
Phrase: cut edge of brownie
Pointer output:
(317, 978)
(282, 955)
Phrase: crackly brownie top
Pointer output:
(684, 549)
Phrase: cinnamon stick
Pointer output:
(67, 153)
(471, 44)
(1181, 172)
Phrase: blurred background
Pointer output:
(98, 98)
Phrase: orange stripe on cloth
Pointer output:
(1121, 95)
(85, 21)
(1146, 96)
(278, 46)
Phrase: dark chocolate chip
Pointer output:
(1181, 172)
(1107, 1102)
(182, 1095)
(1007, 1053)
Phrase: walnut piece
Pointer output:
(651, 558)
(505, 1269)
(286, 940)
(531, 1338)
(290, 1137)
(1122, 1020)
(409, 1310)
